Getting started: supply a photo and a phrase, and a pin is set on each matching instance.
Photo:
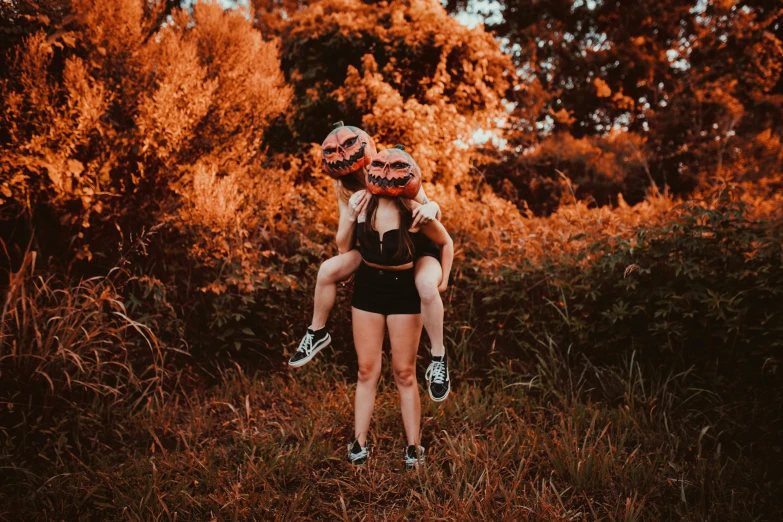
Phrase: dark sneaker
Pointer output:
(357, 454)
(414, 456)
(312, 343)
(438, 380)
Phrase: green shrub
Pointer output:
(705, 286)
(72, 363)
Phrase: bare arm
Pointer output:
(440, 236)
(349, 211)
(428, 211)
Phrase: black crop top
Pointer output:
(380, 251)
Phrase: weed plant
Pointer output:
(635, 378)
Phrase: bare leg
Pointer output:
(428, 276)
(368, 331)
(404, 334)
(332, 271)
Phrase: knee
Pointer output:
(368, 373)
(428, 291)
(328, 272)
(405, 377)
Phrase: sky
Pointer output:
(471, 17)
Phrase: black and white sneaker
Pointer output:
(438, 381)
(357, 454)
(414, 456)
(312, 343)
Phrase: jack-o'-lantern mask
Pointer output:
(346, 150)
(393, 172)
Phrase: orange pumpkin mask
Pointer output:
(346, 150)
(393, 172)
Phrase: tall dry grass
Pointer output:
(271, 447)
(75, 367)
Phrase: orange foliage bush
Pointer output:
(122, 137)
(599, 168)
(493, 233)
(116, 122)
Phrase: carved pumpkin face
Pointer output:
(393, 172)
(346, 150)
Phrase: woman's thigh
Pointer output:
(404, 335)
(368, 332)
(340, 267)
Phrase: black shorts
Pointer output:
(427, 248)
(386, 292)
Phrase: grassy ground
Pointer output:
(536, 443)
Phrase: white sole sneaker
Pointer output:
(428, 378)
(320, 345)
(414, 461)
(360, 458)
(442, 398)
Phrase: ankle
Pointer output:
(317, 326)
(439, 351)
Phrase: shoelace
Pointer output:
(356, 456)
(306, 345)
(436, 372)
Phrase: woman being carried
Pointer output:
(385, 292)
(346, 152)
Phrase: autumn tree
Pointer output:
(121, 117)
(405, 71)
(699, 84)
(110, 119)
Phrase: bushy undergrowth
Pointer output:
(74, 366)
(625, 368)
(704, 284)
